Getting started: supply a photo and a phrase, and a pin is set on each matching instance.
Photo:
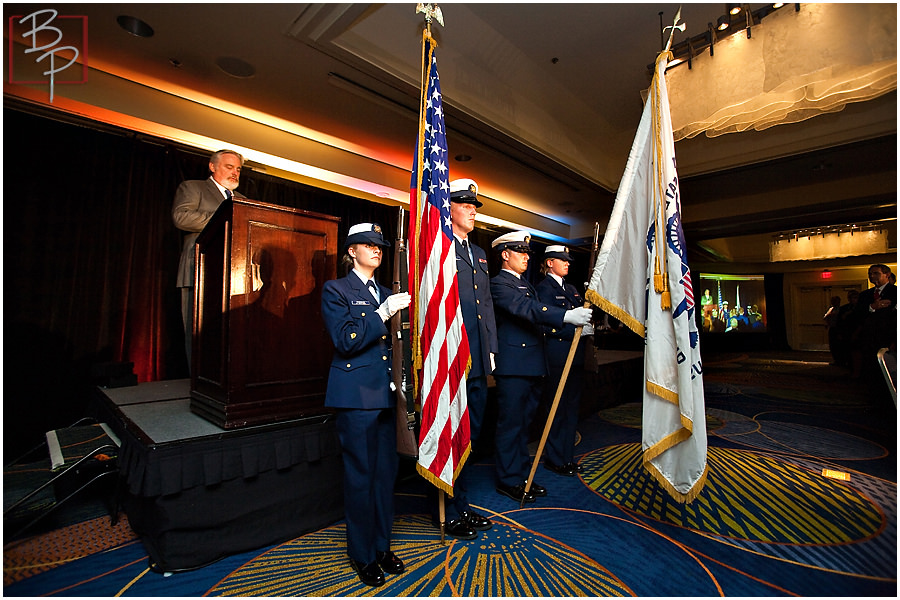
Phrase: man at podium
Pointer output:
(195, 202)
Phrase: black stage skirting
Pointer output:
(196, 492)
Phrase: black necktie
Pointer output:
(228, 194)
(465, 245)
(371, 285)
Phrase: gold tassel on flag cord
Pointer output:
(660, 272)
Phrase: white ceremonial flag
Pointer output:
(643, 280)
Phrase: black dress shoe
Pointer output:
(475, 521)
(536, 489)
(389, 562)
(567, 469)
(516, 492)
(457, 528)
(578, 468)
(369, 574)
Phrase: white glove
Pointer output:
(393, 303)
(493, 363)
(578, 317)
(588, 330)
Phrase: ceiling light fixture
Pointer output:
(687, 49)
(749, 24)
(134, 26)
(235, 67)
(733, 9)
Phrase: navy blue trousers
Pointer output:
(517, 400)
(560, 447)
(369, 450)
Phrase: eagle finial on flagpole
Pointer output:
(432, 12)
(675, 25)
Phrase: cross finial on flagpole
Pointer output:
(432, 12)
(675, 25)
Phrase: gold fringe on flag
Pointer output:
(437, 481)
(681, 498)
(666, 443)
(615, 311)
(665, 394)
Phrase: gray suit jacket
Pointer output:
(195, 202)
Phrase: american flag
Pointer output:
(440, 347)
(720, 305)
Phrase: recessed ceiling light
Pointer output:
(236, 67)
(134, 26)
(463, 157)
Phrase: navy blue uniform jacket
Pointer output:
(559, 339)
(520, 315)
(477, 306)
(360, 373)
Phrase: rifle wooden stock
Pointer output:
(407, 444)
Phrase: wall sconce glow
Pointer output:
(510, 225)
(817, 245)
(304, 170)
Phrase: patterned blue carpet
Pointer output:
(768, 523)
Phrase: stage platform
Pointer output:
(611, 377)
(195, 492)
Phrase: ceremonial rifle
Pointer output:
(406, 419)
(562, 380)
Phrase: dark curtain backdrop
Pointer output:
(777, 320)
(90, 257)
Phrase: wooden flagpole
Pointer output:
(562, 380)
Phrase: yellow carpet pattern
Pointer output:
(747, 496)
(508, 560)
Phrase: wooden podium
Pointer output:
(261, 352)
